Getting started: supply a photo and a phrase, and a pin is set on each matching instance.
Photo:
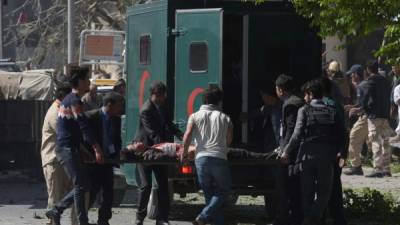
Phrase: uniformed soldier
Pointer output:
(319, 131)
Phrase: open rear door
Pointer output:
(198, 58)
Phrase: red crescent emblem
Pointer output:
(143, 79)
(191, 99)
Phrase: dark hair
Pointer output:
(268, 90)
(314, 87)
(326, 85)
(212, 95)
(62, 90)
(112, 98)
(120, 82)
(158, 88)
(305, 87)
(285, 82)
(77, 73)
(373, 66)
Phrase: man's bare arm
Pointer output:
(187, 139)
(229, 136)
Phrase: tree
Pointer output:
(43, 24)
(354, 19)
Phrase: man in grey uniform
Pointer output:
(320, 131)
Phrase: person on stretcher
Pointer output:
(174, 150)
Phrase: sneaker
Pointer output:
(375, 174)
(198, 221)
(357, 170)
(102, 222)
(395, 139)
(162, 222)
(54, 216)
(139, 222)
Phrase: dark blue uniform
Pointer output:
(320, 131)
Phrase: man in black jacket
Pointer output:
(154, 127)
(106, 124)
(321, 132)
(288, 181)
(376, 105)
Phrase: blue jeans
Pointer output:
(215, 181)
(69, 158)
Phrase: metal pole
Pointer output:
(1, 29)
(70, 31)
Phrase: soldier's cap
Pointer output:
(356, 68)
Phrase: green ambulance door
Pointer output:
(198, 58)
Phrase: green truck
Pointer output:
(241, 46)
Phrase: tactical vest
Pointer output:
(321, 124)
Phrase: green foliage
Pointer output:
(354, 19)
(371, 205)
(395, 167)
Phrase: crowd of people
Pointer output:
(339, 115)
(70, 135)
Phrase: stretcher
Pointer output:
(236, 156)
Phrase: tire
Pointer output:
(152, 206)
(118, 197)
(270, 203)
(231, 200)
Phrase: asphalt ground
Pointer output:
(23, 201)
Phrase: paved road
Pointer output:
(23, 201)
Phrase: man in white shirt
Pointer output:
(57, 181)
(213, 132)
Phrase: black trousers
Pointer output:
(102, 179)
(316, 180)
(145, 176)
(289, 198)
(336, 201)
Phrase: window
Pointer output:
(145, 50)
(198, 54)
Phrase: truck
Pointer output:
(238, 45)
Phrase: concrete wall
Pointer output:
(358, 52)
(333, 53)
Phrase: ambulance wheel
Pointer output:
(231, 200)
(270, 203)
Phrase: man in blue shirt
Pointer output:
(72, 128)
(106, 124)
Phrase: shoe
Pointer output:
(54, 216)
(357, 170)
(375, 174)
(139, 222)
(387, 174)
(102, 222)
(198, 221)
(162, 222)
(395, 139)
